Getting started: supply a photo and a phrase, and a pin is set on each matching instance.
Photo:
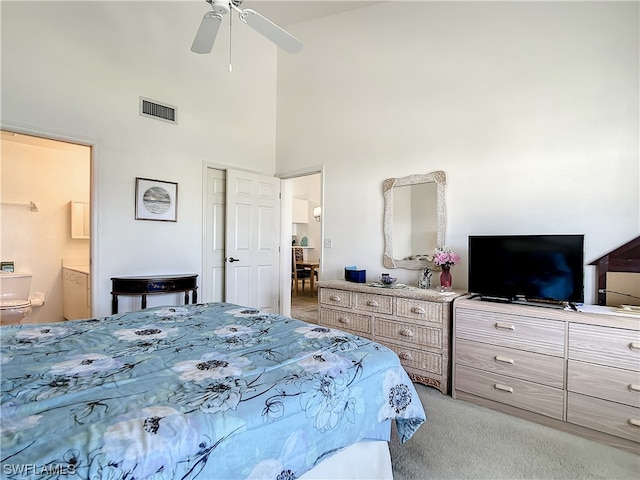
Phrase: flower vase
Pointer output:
(445, 278)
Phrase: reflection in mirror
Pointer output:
(414, 219)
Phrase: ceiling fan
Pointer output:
(210, 24)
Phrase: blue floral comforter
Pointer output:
(209, 391)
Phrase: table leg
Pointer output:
(114, 304)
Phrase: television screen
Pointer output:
(527, 267)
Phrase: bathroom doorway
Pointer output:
(43, 181)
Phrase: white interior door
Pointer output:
(252, 240)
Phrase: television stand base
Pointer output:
(488, 298)
(534, 302)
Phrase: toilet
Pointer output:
(15, 303)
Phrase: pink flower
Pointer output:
(444, 256)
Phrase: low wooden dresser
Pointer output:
(574, 371)
(413, 322)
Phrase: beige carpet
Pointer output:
(461, 440)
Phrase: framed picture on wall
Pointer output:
(156, 200)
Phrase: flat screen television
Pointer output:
(529, 268)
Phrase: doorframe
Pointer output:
(286, 215)
(96, 153)
(206, 165)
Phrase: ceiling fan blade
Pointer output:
(209, 26)
(272, 31)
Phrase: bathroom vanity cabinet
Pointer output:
(76, 289)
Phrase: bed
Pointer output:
(198, 391)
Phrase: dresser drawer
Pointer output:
(615, 347)
(519, 393)
(609, 417)
(421, 336)
(513, 331)
(374, 303)
(622, 386)
(420, 310)
(338, 298)
(345, 320)
(417, 359)
(533, 367)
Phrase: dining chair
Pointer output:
(298, 273)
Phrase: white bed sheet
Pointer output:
(365, 460)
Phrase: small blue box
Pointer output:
(358, 276)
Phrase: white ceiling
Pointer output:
(287, 12)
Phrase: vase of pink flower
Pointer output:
(445, 258)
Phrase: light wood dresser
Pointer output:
(574, 371)
(413, 322)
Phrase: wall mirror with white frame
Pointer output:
(415, 220)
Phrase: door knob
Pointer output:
(231, 259)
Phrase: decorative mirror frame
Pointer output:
(438, 177)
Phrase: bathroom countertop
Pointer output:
(78, 268)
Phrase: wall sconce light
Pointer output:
(316, 213)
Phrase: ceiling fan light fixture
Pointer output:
(220, 7)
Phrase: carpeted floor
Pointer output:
(461, 440)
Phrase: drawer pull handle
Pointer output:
(405, 332)
(503, 388)
(344, 320)
(418, 310)
(634, 387)
(505, 326)
(634, 346)
(405, 356)
(500, 359)
(334, 298)
(634, 422)
(372, 303)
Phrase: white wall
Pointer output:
(77, 69)
(531, 109)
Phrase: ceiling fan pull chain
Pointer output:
(230, 23)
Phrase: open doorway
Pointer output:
(304, 200)
(46, 185)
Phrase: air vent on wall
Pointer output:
(153, 109)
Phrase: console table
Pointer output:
(152, 285)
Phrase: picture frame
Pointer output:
(156, 200)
